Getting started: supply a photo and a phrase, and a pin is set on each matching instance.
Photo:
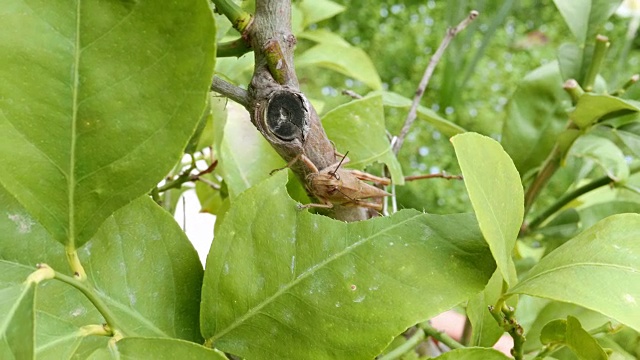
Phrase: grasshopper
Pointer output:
(334, 185)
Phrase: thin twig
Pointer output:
(440, 336)
(433, 176)
(231, 91)
(352, 94)
(411, 117)
(407, 346)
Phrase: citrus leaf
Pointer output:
(604, 153)
(472, 353)
(134, 348)
(284, 283)
(17, 299)
(443, 125)
(598, 269)
(317, 10)
(496, 194)
(358, 127)
(352, 62)
(569, 332)
(93, 134)
(592, 108)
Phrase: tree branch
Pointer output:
(231, 91)
(411, 117)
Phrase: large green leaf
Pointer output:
(569, 332)
(592, 108)
(535, 117)
(17, 299)
(284, 283)
(358, 127)
(98, 101)
(494, 187)
(142, 266)
(443, 125)
(599, 269)
(352, 62)
(473, 353)
(157, 349)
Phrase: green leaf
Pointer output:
(556, 311)
(352, 62)
(142, 265)
(585, 17)
(157, 348)
(358, 127)
(592, 108)
(17, 299)
(396, 100)
(317, 10)
(484, 328)
(570, 60)
(535, 117)
(244, 157)
(106, 84)
(494, 187)
(570, 333)
(472, 353)
(604, 153)
(629, 134)
(598, 269)
(324, 36)
(284, 283)
(592, 214)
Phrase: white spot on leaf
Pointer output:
(359, 299)
(630, 299)
(23, 223)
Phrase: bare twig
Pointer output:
(411, 117)
(352, 94)
(231, 91)
(433, 176)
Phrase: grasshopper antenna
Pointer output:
(333, 173)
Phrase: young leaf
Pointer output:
(570, 333)
(591, 108)
(494, 187)
(358, 127)
(17, 312)
(107, 83)
(598, 269)
(535, 117)
(604, 153)
(318, 10)
(352, 62)
(284, 283)
(484, 328)
(473, 353)
(585, 17)
(441, 124)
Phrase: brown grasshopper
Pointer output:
(334, 185)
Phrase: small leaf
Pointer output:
(17, 299)
(473, 353)
(535, 117)
(352, 62)
(630, 136)
(245, 157)
(358, 127)
(569, 332)
(570, 60)
(324, 36)
(604, 153)
(123, 97)
(598, 269)
(484, 328)
(285, 283)
(494, 187)
(443, 125)
(317, 10)
(592, 108)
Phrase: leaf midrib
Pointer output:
(74, 119)
(253, 311)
